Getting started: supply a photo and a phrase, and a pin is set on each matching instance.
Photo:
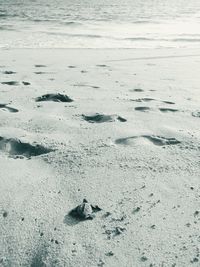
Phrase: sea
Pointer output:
(99, 23)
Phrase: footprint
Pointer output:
(5, 107)
(8, 72)
(168, 110)
(196, 114)
(39, 72)
(54, 97)
(168, 102)
(142, 108)
(161, 141)
(26, 83)
(145, 99)
(156, 140)
(148, 99)
(100, 118)
(15, 147)
(138, 90)
(125, 141)
(102, 65)
(10, 83)
(40, 66)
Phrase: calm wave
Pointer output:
(100, 23)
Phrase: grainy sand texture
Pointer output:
(117, 127)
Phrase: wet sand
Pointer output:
(119, 128)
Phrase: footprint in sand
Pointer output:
(7, 108)
(168, 102)
(143, 109)
(102, 65)
(100, 118)
(10, 83)
(26, 83)
(40, 72)
(148, 99)
(138, 90)
(145, 99)
(196, 114)
(54, 98)
(168, 110)
(156, 140)
(40, 66)
(15, 147)
(161, 141)
(8, 72)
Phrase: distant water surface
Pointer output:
(99, 23)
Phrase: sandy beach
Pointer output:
(128, 141)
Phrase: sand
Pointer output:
(142, 170)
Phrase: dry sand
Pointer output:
(143, 173)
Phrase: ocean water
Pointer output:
(99, 23)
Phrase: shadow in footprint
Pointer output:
(142, 109)
(39, 72)
(54, 98)
(10, 83)
(100, 118)
(196, 114)
(168, 110)
(8, 72)
(26, 83)
(15, 147)
(102, 65)
(40, 66)
(168, 102)
(125, 141)
(156, 140)
(138, 90)
(161, 141)
(7, 108)
(145, 99)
